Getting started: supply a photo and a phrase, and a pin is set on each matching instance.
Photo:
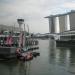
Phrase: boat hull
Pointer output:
(70, 43)
(7, 52)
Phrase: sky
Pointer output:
(33, 12)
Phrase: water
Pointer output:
(52, 61)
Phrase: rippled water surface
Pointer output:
(52, 61)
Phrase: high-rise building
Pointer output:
(52, 23)
(56, 22)
(62, 23)
(65, 22)
(72, 20)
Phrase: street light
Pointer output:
(28, 27)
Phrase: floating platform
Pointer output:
(69, 43)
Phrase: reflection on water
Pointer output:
(52, 61)
(14, 68)
(24, 68)
(52, 51)
(62, 56)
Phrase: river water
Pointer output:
(52, 61)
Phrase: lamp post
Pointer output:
(24, 36)
(28, 27)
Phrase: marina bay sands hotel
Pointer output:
(62, 22)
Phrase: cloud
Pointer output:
(33, 11)
(70, 5)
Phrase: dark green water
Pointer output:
(52, 61)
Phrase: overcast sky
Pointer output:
(33, 12)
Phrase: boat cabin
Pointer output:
(9, 41)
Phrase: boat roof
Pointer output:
(7, 36)
(14, 36)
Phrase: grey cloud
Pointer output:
(33, 11)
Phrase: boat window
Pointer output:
(4, 42)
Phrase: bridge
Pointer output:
(46, 35)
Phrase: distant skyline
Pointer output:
(33, 12)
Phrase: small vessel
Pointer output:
(9, 43)
(24, 56)
(12, 46)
